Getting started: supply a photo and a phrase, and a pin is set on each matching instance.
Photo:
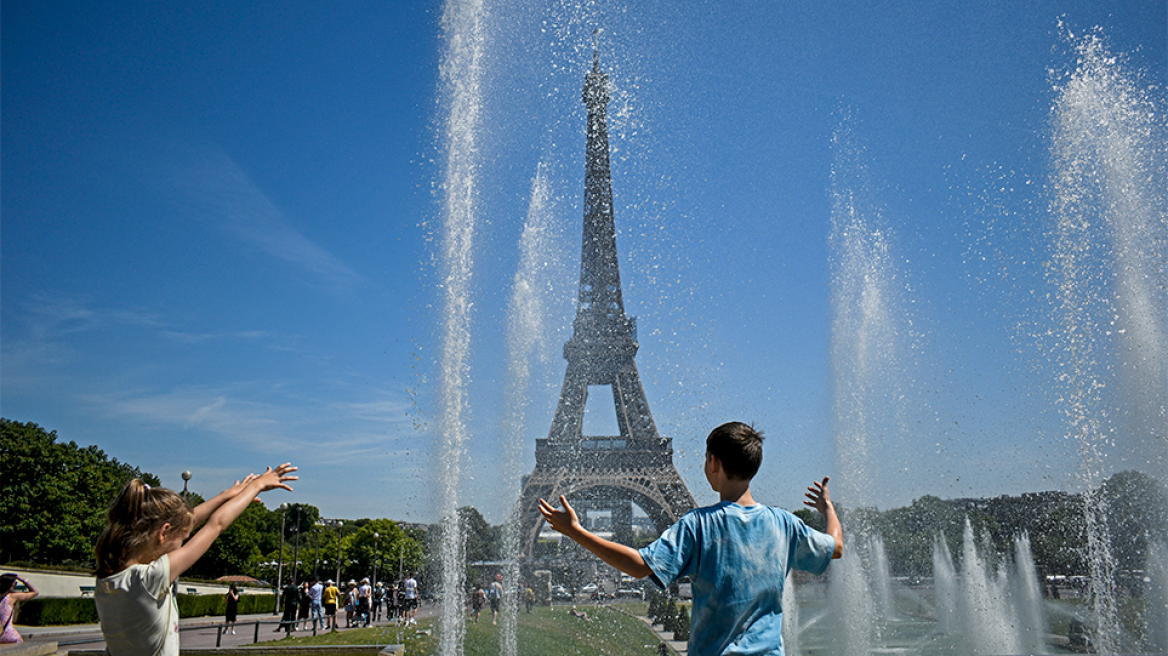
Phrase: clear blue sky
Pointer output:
(219, 222)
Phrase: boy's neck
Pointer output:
(736, 491)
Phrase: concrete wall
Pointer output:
(53, 583)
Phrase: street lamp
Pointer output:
(186, 476)
(376, 555)
(280, 571)
(296, 550)
(340, 524)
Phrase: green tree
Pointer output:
(236, 550)
(1137, 512)
(53, 495)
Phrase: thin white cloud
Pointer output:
(212, 187)
(353, 432)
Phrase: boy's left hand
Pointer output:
(564, 521)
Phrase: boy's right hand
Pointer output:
(564, 521)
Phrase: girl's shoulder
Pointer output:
(153, 576)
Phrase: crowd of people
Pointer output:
(317, 604)
(480, 596)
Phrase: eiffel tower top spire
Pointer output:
(600, 311)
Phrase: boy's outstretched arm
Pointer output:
(819, 499)
(624, 558)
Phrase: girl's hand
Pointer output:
(275, 478)
(239, 486)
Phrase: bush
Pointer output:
(656, 608)
(681, 624)
(669, 620)
(216, 604)
(56, 611)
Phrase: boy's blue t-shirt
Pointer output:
(738, 558)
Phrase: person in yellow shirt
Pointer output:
(329, 599)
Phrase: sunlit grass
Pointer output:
(543, 632)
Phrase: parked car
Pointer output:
(590, 589)
(560, 593)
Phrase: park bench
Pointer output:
(87, 590)
(193, 591)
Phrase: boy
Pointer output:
(737, 552)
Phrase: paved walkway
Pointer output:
(203, 632)
(677, 646)
(197, 632)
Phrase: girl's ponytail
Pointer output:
(136, 514)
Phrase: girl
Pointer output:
(142, 553)
(8, 599)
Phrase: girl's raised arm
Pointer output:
(232, 504)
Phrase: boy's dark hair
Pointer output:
(738, 447)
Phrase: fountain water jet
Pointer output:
(988, 609)
(864, 347)
(525, 312)
(461, 103)
(1110, 247)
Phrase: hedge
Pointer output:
(55, 611)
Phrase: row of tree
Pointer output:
(54, 495)
(1136, 519)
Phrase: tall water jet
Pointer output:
(1156, 599)
(987, 615)
(946, 597)
(1027, 592)
(881, 575)
(790, 618)
(525, 329)
(1108, 269)
(460, 99)
(863, 352)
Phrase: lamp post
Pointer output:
(340, 524)
(280, 571)
(296, 549)
(316, 554)
(186, 476)
(376, 555)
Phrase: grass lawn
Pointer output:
(543, 632)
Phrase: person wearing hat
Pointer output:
(329, 599)
(378, 599)
(365, 602)
(350, 603)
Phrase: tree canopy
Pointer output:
(53, 495)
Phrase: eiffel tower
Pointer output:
(610, 472)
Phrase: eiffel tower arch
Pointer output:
(602, 472)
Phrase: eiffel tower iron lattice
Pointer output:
(602, 472)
